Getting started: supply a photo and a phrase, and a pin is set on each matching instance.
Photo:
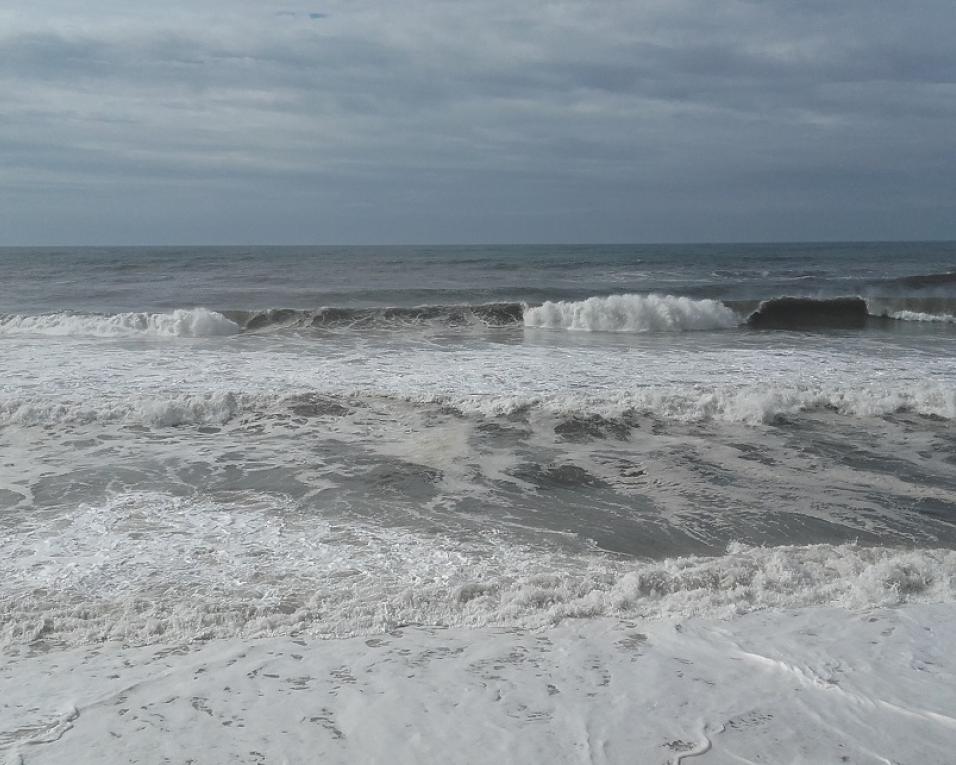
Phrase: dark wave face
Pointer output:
(488, 314)
(802, 313)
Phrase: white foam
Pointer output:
(751, 404)
(766, 403)
(193, 322)
(726, 376)
(145, 566)
(812, 686)
(632, 313)
(153, 411)
(943, 318)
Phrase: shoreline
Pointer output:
(820, 684)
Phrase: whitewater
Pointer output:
(612, 313)
(502, 504)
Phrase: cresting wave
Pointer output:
(667, 313)
(625, 313)
(799, 313)
(206, 570)
(483, 314)
(633, 313)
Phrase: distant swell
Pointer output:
(194, 322)
(925, 281)
(632, 313)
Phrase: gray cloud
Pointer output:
(490, 121)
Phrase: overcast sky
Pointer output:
(233, 121)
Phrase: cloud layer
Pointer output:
(435, 120)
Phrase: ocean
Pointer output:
(595, 460)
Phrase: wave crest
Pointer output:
(625, 313)
(390, 317)
(632, 313)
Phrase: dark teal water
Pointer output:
(237, 278)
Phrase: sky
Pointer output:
(441, 121)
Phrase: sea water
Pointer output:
(202, 448)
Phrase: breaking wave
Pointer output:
(668, 313)
(942, 318)
(748, 404)
(193, 322)
(486, 314)
(152, 411)
(625, 313)
(633, 313)
(268, 578)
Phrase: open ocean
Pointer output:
(200, 446)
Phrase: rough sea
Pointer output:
(202, 448)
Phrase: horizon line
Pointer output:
(699, 243)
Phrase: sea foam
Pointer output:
(920, 316)
(749, 404)
(632, 313)
(153, 411)
(818, 685)
(192, 322)
(145, 566)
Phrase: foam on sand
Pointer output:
(817, 685)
